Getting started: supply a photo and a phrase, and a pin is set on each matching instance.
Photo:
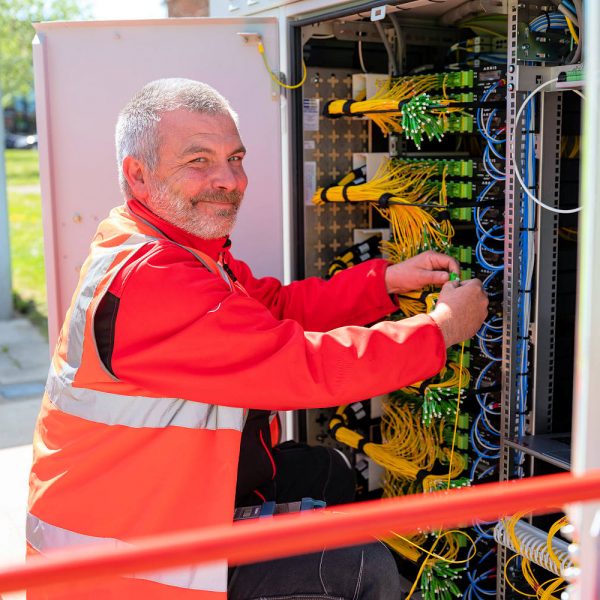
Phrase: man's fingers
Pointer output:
(439, 277)
(443, 262)
(450, 285)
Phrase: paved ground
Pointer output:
(24, 360)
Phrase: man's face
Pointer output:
(199, 181)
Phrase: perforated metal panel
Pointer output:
(328, 148)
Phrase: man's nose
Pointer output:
(224, 178)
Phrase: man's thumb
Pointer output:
(440, 277)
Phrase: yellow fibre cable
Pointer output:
(540, 592)
(572, 30)
(553, 585)
(506, 578)
(261, 50)
(472, 552)
(553, 531)
(430, 552)
(460, 376)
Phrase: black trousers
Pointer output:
(365, 572)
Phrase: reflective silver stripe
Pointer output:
(101, 259)
(45, 537)
(139, 411)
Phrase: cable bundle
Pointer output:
(401, 194)
(416, 303)
(549, 20)
(442, 568)
(404, 106)
(436, 397)
(411, 452)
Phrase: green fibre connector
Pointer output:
(448, 80)
(457, 189)
(460, 214)
(466, 274)
(459, 79)
(463, 421)
(466, 97)
(458, 123)
(454, 168)
(463, 254)
(462, 441)
(460, 168)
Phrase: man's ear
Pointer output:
(135, 175)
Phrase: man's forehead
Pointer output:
(183, 128)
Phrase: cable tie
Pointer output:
(333, 428)
(524, 374)
(384, 200)
(523, 337)
(423, 387)
(326, 112)
(527, 229)
(421, 474)
(346, 107)
(520, 291)
(361, 445)
(345, 191)
(324, 191)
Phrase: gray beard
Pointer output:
(179, 211)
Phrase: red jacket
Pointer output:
(179, 331)
(151, 444)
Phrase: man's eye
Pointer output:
(198, 159)
(236, 158)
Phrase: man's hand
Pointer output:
(427, 268)
(461, 308)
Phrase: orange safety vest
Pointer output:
(113, 461)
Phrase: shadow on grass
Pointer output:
(29, 310)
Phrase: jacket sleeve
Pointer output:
(354, 296)
(180, 332)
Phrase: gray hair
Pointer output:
(136, 133)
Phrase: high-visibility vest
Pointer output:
(113, 461)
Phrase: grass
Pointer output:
(26, 236)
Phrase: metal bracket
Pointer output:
(250, 38)
(356, 30)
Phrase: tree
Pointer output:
(16, 35)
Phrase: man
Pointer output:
(169, 340)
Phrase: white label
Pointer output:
(311, 114)
(310, 181)
(310, 144)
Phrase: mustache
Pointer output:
(234, 197)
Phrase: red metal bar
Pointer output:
(264, 539)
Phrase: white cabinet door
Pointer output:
(85, 72)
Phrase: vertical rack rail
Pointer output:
(512, 218)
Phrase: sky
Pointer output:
(127, 9)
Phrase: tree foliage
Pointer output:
(16, 35)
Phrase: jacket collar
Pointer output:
(171, 232)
